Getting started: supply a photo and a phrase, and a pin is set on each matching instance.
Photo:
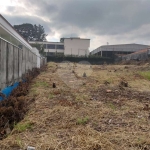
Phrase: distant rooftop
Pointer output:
(42, 42)
(124, 44)
(62, 39)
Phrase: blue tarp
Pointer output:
(7, 91)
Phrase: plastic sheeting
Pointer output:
(7, 91)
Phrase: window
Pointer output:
(60, 54)
(50, 46)
(50, 54)
(59, 46)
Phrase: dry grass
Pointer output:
(82, 115)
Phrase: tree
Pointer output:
(31, 32)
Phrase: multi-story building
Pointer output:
(67, 46)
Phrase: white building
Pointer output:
(66, 46)
(76, 46)
(50, 48)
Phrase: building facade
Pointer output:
(76, 46)
(50, 48)
(66, 46)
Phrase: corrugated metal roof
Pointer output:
(120, 47)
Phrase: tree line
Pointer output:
(31, 32)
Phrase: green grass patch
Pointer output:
(19, 142)
(50, 96)
(82, 121)
(109, 80)
(41, 84)
(145, 74)
(111, 105)
(20, 127)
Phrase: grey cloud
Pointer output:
(43, 8)
(112, 18)
(15, 20)
(11, 9)
(102, 17)
(105, 17)
(69, 35)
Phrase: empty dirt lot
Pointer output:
(98, 107)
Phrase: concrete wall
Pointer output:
(4, 25)
(3, 47)
(77, 47)
(35, 50)
(15, 62)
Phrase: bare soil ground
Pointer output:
(107, 109)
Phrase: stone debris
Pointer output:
(30, 148)
(108, 91)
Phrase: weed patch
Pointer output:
(19, 142)
(82, 121)
(41, 84)
(50, 96)
(20, 127)
(112, 106)
(145, 74)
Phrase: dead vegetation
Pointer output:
(106, 110)
(13, 108)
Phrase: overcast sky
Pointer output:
(112, 21)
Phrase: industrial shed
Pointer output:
(117, 50)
